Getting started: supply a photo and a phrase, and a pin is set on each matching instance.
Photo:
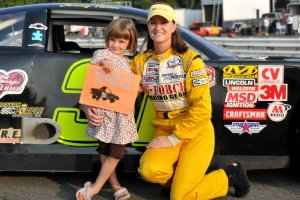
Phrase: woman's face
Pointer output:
(160, 30)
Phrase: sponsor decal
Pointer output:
(240, 71)
(37, 36)
(273, 92)
(173, 62)
(239, 105)
(12, 82)
(10, 104)
(238, 82)
(150, 79)
(10, 135)
(245, 127)
(277, 111)
(165, 89)
(243, 88)
(244, 114)
(211, 75)
(152, 68)
(166, 92)
(173, 76)
(167, 97)
(200, 81)
(7, 111)
(36, 45)
(38, 26)
(270, 75)
(75, 5)
(197, 73)
(27, 111)
(241, 97)
(17, 109)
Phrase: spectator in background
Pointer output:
(278, 27)
(289, 25)
(266, 25)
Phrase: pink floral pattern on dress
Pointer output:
(117, 128)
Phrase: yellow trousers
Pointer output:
(184, 166)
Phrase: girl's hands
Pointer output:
(107, 65)
(92, 115)
(159, 142)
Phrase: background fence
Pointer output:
(260, 46)
(257, 47)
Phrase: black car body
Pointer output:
(42, 68)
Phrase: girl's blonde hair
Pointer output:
(122, 28)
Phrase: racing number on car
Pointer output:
(69, 118)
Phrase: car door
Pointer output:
(59, 71)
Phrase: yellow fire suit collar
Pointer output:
(162, 56)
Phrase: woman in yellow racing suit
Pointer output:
(175, 81)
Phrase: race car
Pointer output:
(103, 94)
(256, 103)
(205, 29)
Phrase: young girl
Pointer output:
(116, 129)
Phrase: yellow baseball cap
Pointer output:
(162, 10)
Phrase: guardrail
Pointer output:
(260, 46)
(242, 46)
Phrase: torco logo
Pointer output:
(277, 111)
(240, 71)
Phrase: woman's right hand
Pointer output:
(92, 115)
(107, 65)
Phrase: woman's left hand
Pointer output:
(159, 142)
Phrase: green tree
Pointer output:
(144, 4)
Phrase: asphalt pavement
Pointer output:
(266, 185)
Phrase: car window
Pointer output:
(75, 33)
(11, 29)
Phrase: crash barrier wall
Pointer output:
(243, 46)
(260, 46)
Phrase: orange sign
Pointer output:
(114, 91)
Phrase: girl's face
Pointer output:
(118, 45)
(160, 29)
